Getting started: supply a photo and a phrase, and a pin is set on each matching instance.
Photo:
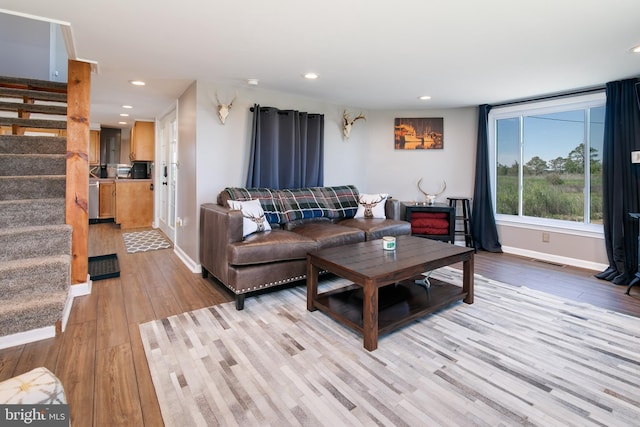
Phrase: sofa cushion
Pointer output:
(253, 217)
(270, 246)
(339, 201)
(269, 200)
(328, 235)
(371, 206)
(376, 228)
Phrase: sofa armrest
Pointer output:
(392, 209)
(219, 226)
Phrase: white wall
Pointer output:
(213, 156)
(397, 171)
(24, 46)
(186, 202)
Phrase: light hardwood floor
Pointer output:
(100, 359)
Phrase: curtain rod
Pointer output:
(547, 97)
(285, 112)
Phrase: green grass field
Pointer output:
(550, 196)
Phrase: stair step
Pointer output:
(31, 212)
(33, 123)
(23, 144)
(32, 164)
(9, 92)
(32, 187)
(24, 278)
(34, 108)
(34, 242)
(26, 314)
(21, 82)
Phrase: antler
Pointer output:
(444, 187)
(360, 116)
(231, 103)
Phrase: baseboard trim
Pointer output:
(76, 290)
(193, 266)
(589, 265)
(81, 289)
(28, 336)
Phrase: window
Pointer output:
(547, 159)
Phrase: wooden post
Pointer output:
(77, 196)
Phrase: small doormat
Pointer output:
(104, 267)
(143, 241)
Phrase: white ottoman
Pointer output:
(36, 387)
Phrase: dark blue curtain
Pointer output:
(620, 180)
(483, 222)
(287, 149)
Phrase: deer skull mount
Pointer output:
(347, 122)
(431, 198)
(224, 109)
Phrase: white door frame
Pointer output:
(167, 149)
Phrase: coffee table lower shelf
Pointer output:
(398, 304)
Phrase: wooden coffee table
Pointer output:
(384, 294)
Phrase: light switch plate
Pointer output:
(635, 157)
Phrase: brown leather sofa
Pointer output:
(271, 258)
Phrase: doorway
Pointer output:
(166, 175)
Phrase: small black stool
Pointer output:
(462, 208)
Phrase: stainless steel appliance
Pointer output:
(94, 198)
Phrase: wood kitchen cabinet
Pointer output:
(134, 203)
(94, 147)
(142, 142)
(107, 206)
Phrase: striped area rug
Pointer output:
(514, 357)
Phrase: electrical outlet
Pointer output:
(545, 237)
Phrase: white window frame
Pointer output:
(597, 99)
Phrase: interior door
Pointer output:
(166, 175)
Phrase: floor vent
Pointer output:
(557, 264)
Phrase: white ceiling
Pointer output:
(380, 55)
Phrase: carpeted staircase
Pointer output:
(35, 242)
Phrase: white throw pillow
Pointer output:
(371, 206)
(253, 216)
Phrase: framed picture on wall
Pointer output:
(419, 133)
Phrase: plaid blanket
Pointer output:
(282, 206)
(269, 200)
(340, 201)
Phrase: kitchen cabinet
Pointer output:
(142, 142)
(107, 206)
(134, 203)
(94, 147)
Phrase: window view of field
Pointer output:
(543, 167)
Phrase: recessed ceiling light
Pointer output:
(310, 76)
(636, 49)
(127, 106)
(424, 97)
(122, 123)
(252, 82)
(137, 82)
(124, 115)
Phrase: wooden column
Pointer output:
(77, 198)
